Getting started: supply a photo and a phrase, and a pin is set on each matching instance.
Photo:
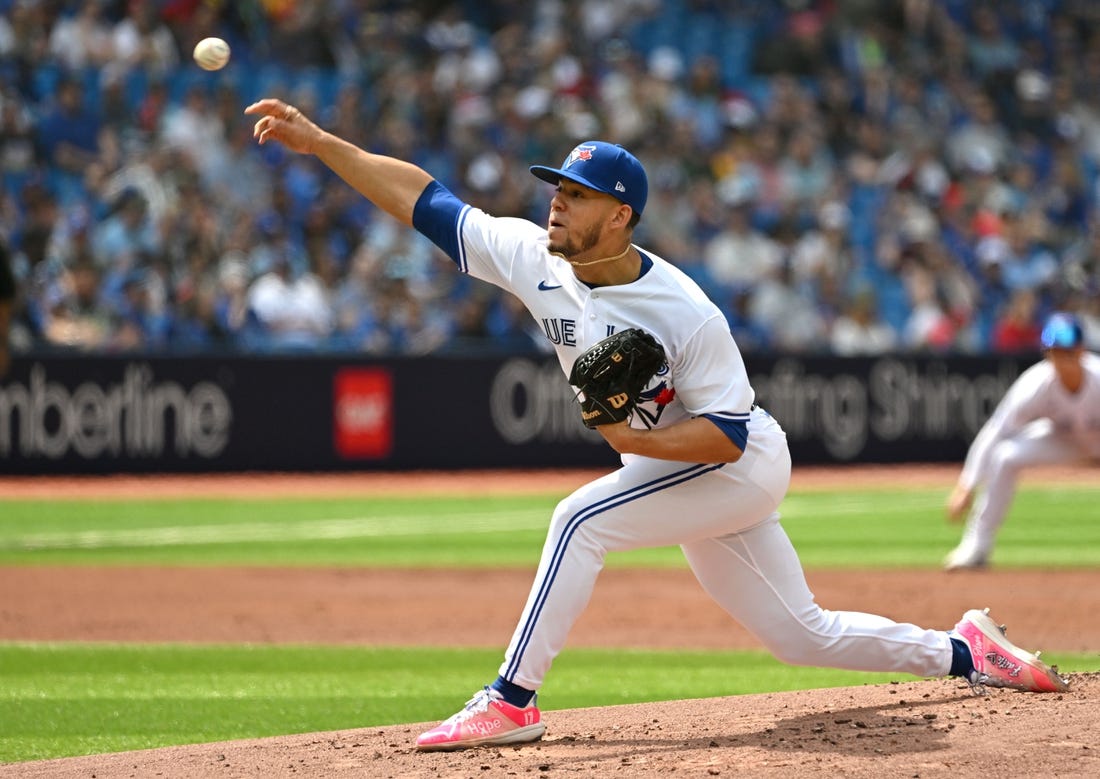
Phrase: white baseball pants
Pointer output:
(725, 520)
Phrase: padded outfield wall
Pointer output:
(146, 414)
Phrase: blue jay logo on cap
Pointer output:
(580, 153)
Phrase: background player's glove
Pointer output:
(613, 373)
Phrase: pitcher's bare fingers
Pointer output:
(270, 109)
(284, 123)
(268, 106)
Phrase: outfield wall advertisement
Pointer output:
(201, 414)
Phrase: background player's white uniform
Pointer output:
(1038, 422)
(723, 516)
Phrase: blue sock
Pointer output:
(512, 693)
(962, 662)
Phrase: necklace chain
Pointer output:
(618, 256)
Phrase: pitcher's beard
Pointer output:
(569, 249)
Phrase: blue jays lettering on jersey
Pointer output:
(560, 332)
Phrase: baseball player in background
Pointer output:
(708, 472)
(1049, 416)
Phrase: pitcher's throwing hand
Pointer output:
(284, 123)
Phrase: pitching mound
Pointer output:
(912, 729)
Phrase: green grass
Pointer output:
(830, 529)
(68, 699)
(60, 700)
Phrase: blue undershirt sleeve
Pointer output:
(737, 430)
(438, 216)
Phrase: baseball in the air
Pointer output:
(211, 53)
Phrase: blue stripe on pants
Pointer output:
(610, 502)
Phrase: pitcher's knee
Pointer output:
(1005, 458)
(798, 642)
(575, 533)
(568, 515)
(799, 653)
(592, 525)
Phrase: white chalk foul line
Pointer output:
(272, 532)
(379, 526)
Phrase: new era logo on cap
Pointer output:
(604, 167)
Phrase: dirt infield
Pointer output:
(932, 728)
(559, 481)
(914, 729)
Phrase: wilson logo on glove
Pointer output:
(612, 374)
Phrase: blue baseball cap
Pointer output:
(1062, 331)
(604, 167)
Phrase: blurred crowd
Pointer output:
(843, 176)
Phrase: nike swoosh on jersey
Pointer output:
(543, 286)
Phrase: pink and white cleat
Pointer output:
(1000, 663)
(486, 720)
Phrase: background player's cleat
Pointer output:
(965, 557)
(485, 720)
(1000, 663)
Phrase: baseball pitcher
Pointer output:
(702, 465)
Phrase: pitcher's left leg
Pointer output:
(631, 508)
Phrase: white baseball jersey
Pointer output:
(723, 515)
(705, 367)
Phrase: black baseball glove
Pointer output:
(612, 374)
